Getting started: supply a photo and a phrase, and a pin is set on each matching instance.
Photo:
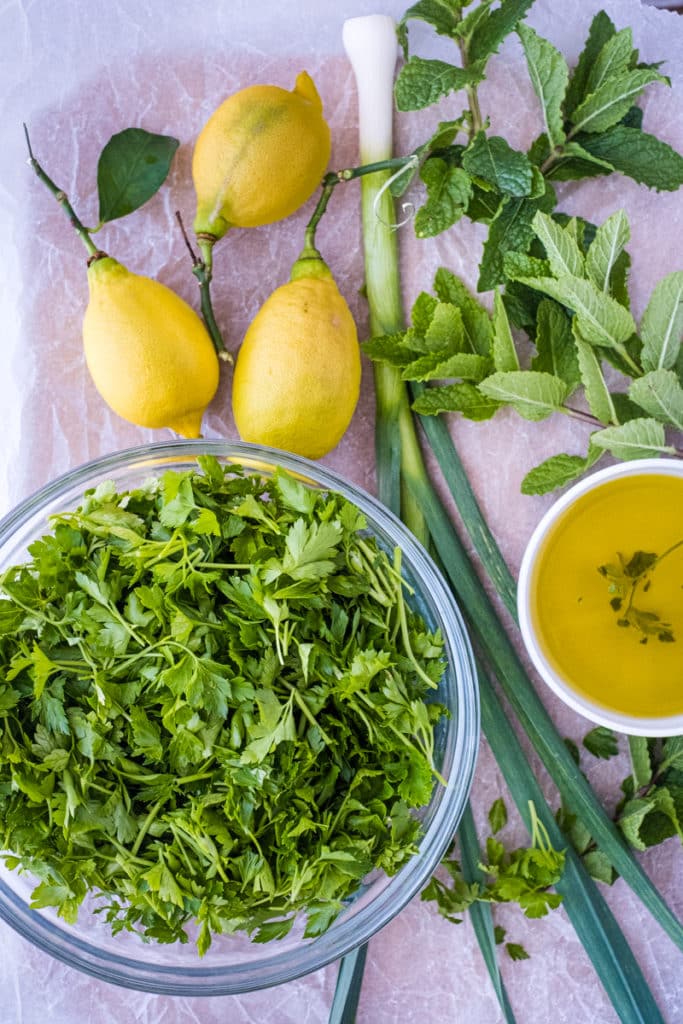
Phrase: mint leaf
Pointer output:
(422, 82)
(492, 29)
(440, 365)
(555, 472)
(599, 866)
(647, 821)
(448, 193)
(494, 161)
(504, 351)
(510, 231)
(561, 248)
(445, 329)
(662, 324)
(641, 763)
(605, 249)
(535, 396)
(388, 348)
(549, 76)
(594, 384)
(464, 398)
(614, 59)
(640, 156)
(476, 323)
(575, 162)
(515, 951)
(614, 98)
(601, 31)
(555, 348)
(601, 742)
(442, 15)
(133, 165)
(601, 319)
(498, 815)
(660, 395)
(637, 439)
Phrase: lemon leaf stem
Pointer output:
(63, 200)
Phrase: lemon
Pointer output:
(259, 157)
(148, 352)
(297, 374)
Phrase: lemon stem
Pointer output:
(202, 268)
(63, 201)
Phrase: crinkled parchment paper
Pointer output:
(77, 73)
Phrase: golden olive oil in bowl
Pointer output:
(601, 597)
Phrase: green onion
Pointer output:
(371, 46)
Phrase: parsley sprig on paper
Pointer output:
(216, 707)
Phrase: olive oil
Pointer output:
(580, 617)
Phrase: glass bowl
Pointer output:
(235, 964)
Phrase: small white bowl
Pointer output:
(671, 725)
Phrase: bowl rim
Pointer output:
(634, 725)
(179, 979)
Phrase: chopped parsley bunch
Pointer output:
(212, 707)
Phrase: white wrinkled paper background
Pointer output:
(77, 73)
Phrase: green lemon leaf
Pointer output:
(465, 398)
(606, 106)
(601, 31)
(421, 82)
(638, 155)
(493, 28)
(555, 348)
(549, 76)
(448, 193)
(504, 352)
(605, 249)
(493, 160)
(660, 394)
(662, 324)
(561, 247)
(556, 471)
(133, 166)
(535, 396)
(637, 439)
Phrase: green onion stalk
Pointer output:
(404, 485)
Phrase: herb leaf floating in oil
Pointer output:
(213, 707)
(624, 579)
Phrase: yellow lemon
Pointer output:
(297, 374)
(259, 157)
(148, 352)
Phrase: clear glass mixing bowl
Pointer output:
(234, 964)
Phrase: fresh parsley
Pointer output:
(216, 707)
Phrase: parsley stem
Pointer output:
(405, 632)
(135, 849)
